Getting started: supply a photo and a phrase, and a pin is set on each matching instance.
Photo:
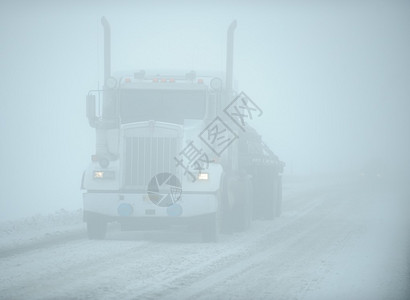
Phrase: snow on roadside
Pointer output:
(40, 228)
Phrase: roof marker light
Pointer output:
(111, 82)
(216, 83)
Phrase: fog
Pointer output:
(332, 80)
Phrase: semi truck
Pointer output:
(175, 149)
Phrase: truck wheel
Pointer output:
(210, 229)
(96, 228)
(242, 210)
(272, 198)
(278, 206)
(227, 201)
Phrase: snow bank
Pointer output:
(39, 229)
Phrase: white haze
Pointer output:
(332, 80)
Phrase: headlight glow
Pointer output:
(104, 175)
(98, 174)
(203, 176)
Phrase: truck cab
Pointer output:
(155, 165)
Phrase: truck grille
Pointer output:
(147, 156)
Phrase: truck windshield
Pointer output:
(171, 106)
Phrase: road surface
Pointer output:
(336, 239)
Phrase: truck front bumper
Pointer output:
(122, 206)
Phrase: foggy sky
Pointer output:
(332, 80)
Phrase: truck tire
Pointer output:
(265, 193)
(236, 205)
(96, 228)
(242, 210)
(278, 206)
(210, 229)
(272, 199)
(227, 197)
(257, 197)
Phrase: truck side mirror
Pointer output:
(90, 109)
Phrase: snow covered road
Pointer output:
(336, 239)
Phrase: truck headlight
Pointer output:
(203, 176)
(104, 175)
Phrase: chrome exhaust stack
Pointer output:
(229, 61)
(107, 48)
